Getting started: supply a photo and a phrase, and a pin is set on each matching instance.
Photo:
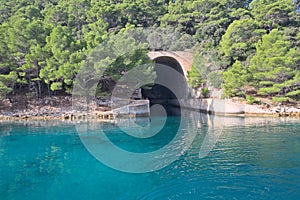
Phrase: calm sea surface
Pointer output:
(252, 159)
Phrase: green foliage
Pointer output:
(205, 92)
(205, 70)
(251, 100)
(274, 65)
(56, 86)
(235, 79)
(43, 43)
(215, 79)
(7, 83)
(194, 78)
(123, 54)
(294, 94)
(279, 99)
(239, 40)
(273, 13)
(4, 90)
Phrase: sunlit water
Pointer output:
(48, 161)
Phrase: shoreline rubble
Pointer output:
(62, 109)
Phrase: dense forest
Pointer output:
(254, 45)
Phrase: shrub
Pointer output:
(294, 95)
(251, 100)
(205, 92)
(279, 99)
(215, 79)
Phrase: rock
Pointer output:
(16, 115)
(7, 102)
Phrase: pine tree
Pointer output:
(275, 65)
(235, 79)
(239, 40)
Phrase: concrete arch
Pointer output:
(176, 84)
(183, 58)
(172, 62)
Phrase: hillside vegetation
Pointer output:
(250, 48)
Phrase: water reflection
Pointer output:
(254, 158)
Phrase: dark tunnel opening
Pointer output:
(170, 86)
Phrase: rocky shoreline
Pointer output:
(279, 111)
(60, 108)
(49, 108)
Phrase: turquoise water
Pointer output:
(48, 161)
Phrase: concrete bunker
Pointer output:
(170, 85)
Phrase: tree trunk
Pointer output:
(48, 88)
(39, 89)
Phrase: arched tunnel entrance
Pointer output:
(170, 85)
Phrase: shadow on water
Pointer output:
(160, 95)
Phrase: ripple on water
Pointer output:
(246, 163)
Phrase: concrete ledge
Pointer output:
(137, 108)
(212, 106)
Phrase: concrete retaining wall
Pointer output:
(135, 108)
(215, 106)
